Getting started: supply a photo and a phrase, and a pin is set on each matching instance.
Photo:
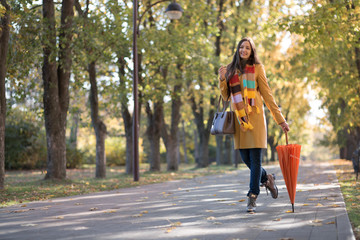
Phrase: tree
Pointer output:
(4, 43)
(331, 60)
(56, 73)
(92, 32)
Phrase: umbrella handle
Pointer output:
(287, 142)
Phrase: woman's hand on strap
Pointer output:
(285, 126)
(222, 72)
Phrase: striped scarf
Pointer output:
(243, 104)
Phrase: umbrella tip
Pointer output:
(293, 207)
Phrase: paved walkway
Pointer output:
(211, 207)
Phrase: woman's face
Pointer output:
(245, 50)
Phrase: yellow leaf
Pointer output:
(176, 224)
(24, 205)
(169, 229)
(332, 222)
(110, 211)
(209, 211)
(103, 186)
(241, 200)
(60, 217)
(319, 205)
(313, 199)
(231, 204)
(335, 206)
(277, 219)
(288, 211)
(305, 204)
(143, 212)
(87, 183)
(211, 218)
(214, 195)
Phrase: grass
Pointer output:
(350, 190)
(27, 186)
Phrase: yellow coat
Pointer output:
(257, 137)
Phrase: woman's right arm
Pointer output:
(222, 83)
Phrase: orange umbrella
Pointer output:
(289, 157)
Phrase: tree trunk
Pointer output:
(228, 151)
(4, 46)
(219, 149)
(186, 160)
(171, 140)
(126, 116)
(196, 147)
(99, 126)
(56, 85)
(153, 133)
(74, 129)
(203, 130)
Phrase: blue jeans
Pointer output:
(252, 158)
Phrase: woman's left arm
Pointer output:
(266, 93)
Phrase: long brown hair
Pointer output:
(236, 62)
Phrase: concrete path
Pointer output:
(211, 207)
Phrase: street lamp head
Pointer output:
(174, 11)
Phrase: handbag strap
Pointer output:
(223, 103)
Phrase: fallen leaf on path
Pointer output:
(313, 199)
(211, 218)
(110, 211)
(277, 219)
(209, 211)
(319, 205)
(169, 229)
(59, 217)
(214, 195)
(20, 211)
(335, 206)
(24, 205)
(217, 223)
(332, 222)
(221, 200)
(316, 222)
(144, 212)
(241, 200)
(231, 204)
(289, 211)
(305, 204)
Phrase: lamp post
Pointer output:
(174, 11)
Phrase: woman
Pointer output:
(244, 83)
